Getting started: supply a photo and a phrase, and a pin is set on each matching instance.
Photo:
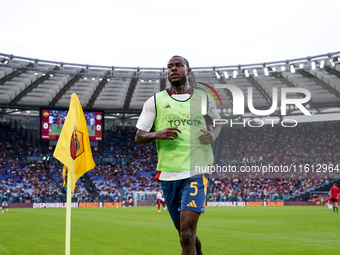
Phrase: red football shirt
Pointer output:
(335, 192)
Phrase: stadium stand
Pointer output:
(30, 173)
(41, 181)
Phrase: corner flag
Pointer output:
(73, 146)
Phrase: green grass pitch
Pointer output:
(142, 230)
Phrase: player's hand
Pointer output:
(169, 133)
(207, 137)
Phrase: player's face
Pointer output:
(178, 72)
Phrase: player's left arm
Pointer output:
(209, 137)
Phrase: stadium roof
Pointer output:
(28, 84)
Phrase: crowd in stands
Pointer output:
(23, 182)
(133, 166)
(256, 189)
(316, 142)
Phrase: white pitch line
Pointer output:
(4, 249)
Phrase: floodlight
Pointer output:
(246, 73)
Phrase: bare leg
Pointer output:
(191, 244)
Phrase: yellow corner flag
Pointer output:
(73, 147)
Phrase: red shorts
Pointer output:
(160, 202)
(334, 200)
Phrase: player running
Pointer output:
(160, 200)
(183, 144)
(4, 202)
(334, 197)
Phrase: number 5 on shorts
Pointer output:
(194, 185)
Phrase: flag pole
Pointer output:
(73, 149)
(68, 215)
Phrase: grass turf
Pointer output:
(142, 230)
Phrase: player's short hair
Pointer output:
(185, 60)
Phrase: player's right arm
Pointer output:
(145, 123)
(143, 137)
